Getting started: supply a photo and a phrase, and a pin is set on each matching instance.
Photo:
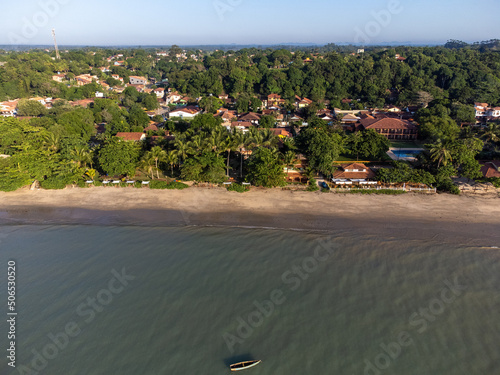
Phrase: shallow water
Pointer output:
(197, 299)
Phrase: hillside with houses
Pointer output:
(264, 117)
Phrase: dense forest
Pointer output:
(59, 146)
(375, 78)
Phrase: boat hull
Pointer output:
(244, 365)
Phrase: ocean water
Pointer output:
(139, 300)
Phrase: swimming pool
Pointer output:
(401, 153)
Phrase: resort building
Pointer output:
(391, 128)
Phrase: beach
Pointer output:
(442, 217)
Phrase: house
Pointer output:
(104, 69)
(393, 109)
(160, 92)
(349, 120)
(252, 117)
(227, 116)
(137, 80)
(481, 109)
(117, 77)
(173, 97)
(399, 58)
(274, 100)
(302, 103)
(185, 113)
(59, 77)
(139, 88)
(244, 126)
(9, 108)
(119, 63)
(296, 173)
(493, 112)
(99, 94)
(83, 79)
(354, 171)
(325, 114)
(162, 53)
(280, 132)
(152, 126)
(491, 169)
(82, 103)
(391, 128)
(131, 136)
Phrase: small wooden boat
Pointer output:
(244, 365)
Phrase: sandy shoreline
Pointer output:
(465, 220)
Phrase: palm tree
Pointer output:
(491, 134)
(148, 162)
(183, 149)
(159, 155)
(197, 144)
(171, 159)
(440, 153)
(240, 140)
(269, 139)
(51, 141)
(255, 138)
(82, 155)
(289, 159)
(217, 140)
(230, 146)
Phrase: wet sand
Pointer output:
(456, 219)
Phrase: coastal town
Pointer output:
(367, 147)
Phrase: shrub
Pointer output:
(82, 184)
(238, 188)
(158, 184)
(177, 185)
(54, 182)
(12, 182)
(313, 185)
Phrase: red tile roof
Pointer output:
(131, 136)
(386, 123)
(346, 171)
(491, 169)
(250, 116)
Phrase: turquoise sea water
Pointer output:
(193, 300)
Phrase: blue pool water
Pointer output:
(406, 153)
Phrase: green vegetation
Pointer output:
(238, 188)
(59, 146)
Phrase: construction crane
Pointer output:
(58, 57)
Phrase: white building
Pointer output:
(136, 80)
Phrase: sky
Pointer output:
(262, 22)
